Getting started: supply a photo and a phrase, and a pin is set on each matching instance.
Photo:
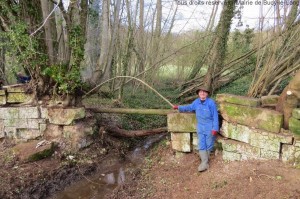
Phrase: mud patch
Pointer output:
(42, 178)
(166, 174)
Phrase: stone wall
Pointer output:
(252, 132)
(251, 129)
(22, 122)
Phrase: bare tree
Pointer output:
(104, 46)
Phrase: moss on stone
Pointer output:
(181, 142)
(182, 122)
(43, 154)
(296, 113)
(264, 119)
(18, 97)
(2, 99)
(15, 89)
(240, 100)
(294, 125)
(269, 100)
(65, 116)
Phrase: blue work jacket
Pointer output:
(206, 114)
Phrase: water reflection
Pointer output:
(95, 187)
(110, 178)
(112, 174)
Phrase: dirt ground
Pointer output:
(166, 174)
(41, 179)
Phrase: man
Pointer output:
(21, 79)
(207, 123)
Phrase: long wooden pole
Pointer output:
(133, 111)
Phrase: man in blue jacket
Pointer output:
(22, 79)
(207, 123)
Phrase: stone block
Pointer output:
(28, 134)
(240, 100)
(21, 123)
(260, 118)
(255, 137)
(195, 141)
(294, 125)
(44, 112)
(270, 100)
(296, 113)
(29, 112)
(235, 131)
(65, 116)
(182, 122)
(269, 155)
(297, 141)
(19, 97)
(53, 131)
(288, 153)
(10, 132)
(80, 133)
(247, 151)
(15, 88)
(2, 99)
(43, 127)
(35, 123)
(181, 142)
(2, 92)
(231, 156)
(269, 141)
(9, 113)
(25, 150)
(15, 122)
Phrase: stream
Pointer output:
(112, 173)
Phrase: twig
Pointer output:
(268, 176)
(86, 177)
(32, 34)
(131, 78)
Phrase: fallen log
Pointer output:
(133, 111)
(116, 131)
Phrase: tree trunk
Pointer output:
(104, 46)
(50, 31)
(128, 50)
(220, 43)
(111, 51)
(289, 99)
(154, 52)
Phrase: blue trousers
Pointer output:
(206, 141)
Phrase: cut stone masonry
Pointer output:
(248, 131)
(24, 123)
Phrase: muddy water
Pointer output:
(113, 173)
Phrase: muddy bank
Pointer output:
(43, 178)
(166, 174)
(95, 170)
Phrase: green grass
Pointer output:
(147, 99)
(238, 87)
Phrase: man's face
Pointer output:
(202, 94)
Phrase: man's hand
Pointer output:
(214, 133)
(175, 107)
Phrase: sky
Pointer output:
(192, 16)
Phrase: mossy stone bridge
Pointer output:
(250, 129)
